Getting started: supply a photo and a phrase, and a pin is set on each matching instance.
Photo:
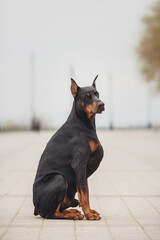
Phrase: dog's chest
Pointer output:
(95, 158)
(93, 145)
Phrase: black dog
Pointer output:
(70, 157)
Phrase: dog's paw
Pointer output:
(94, 211)
(78, 215)
(92, 215)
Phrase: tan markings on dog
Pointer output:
(57, 210)
(93, 117)
(82, 104)
(88, 194)
(67, 184)
(93, 145)
(91, 110)
(66, 201)
(83, 200)
(84, 203)
(68, 214)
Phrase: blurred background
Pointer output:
(45, 43)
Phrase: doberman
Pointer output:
(70, 157)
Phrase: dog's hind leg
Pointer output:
(69, 214)
(48, 198)
(68, 203)
(49, 195)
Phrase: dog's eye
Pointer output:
(88, 95)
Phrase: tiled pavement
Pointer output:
(125, 189)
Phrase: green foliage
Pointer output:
(149, 46)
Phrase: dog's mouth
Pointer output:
(99, 111)
(101, 108)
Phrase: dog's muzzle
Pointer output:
(100, 107)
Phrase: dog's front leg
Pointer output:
(83, 196)
(83, 193)
(91, 210)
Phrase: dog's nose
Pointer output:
(101, 105)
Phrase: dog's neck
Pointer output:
(77, 118)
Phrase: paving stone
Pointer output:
(14, 233)
(128, 233)
(125, 189)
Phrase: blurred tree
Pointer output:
(149, 46)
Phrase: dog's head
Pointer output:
(87, 99)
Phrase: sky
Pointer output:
(45, 43)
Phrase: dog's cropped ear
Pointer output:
(94, 82)
(74, 88)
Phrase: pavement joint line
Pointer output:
(17, 182)
(9, 225)
(17, 151)
(135, 218)
(150, 183)
(139, 194)
(133, 170)
(105, 220)
(112, 225)
(146, 199)
(106, 223)
(91, 196)
(41, 228)
(152, 205)
(141, 223)
(124, 195)
(130, 212)
(133, 153)
(14, 185)
(75, 230)
(143, 196)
